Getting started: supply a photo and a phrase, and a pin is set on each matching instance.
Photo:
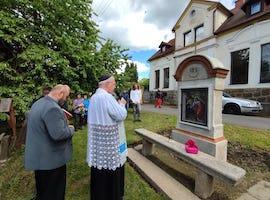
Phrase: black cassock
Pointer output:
(107, 184)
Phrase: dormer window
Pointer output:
(255, 8)
(192, 13)
(163, 48)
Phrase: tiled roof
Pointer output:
(170, 49)
(241, 18)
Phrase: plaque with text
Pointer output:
(5, 104)
(194, 71)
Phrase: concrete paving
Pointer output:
(241, 120)
(260, 191)
(158, 178)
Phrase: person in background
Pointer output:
(158, 99)
(78, 112)
(49, 144)
(86, 102)
(136, 98)
(107, 146)
(45, 91)
(125, 95)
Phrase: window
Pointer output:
(187, 38)
(192, 13)
(163, 49)
(199, 33)
(255, 8)
(166, 78)
(265, 65)
(157, 79)
(239, 66)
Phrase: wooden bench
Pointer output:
(207, 166)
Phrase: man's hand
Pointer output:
(122, 101)
(71, 127)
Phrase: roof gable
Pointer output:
(211, 4)
(169, 50)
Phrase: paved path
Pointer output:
(241, 120)
(260, 191)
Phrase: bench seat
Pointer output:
(208, 167)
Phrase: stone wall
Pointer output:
(170, 97)
(259, 94)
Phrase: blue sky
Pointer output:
(142, 56)
(140, 25)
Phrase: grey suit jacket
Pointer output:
(48, 138)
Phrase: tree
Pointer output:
(144, 83)
(50, 42)
(128, 77)
(131, 72)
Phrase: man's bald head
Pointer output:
(60, 92)
(108, 84)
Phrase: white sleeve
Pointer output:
(132, 96)
(140, 95)
(116, 111)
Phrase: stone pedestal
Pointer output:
(147, 148)
(200, 86)
(216, 148)
(203, 185)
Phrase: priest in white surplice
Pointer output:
(107, 147)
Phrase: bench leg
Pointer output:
(203, 185)
(147, 148)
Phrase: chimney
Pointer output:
(238, 5)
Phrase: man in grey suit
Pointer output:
(49, 144)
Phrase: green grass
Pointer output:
(251, 138)
(18, 184)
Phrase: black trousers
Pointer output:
(136, 111)
(51, 184)
(78, 120)
(107, 184)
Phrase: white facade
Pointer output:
(161, 64)
(216, 46)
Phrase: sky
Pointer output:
(140, 25)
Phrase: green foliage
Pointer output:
(128, 77)
(144, 83)
(3, 117)
(50, 42)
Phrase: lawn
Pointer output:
(16, 183)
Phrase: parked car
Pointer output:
(233, 105)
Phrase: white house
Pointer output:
(239, 38)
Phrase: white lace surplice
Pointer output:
(107, 146)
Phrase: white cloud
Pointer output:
(140, 24)
(141, 67)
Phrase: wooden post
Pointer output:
(6, 106)
(4, 146)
